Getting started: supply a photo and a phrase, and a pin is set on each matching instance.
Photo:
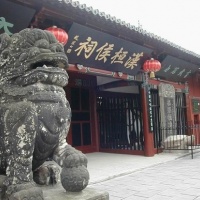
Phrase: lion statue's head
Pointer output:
(32, 56)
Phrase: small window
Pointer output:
(76, 135)
(75, 99)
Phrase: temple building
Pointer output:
(118, 106)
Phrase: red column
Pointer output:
(148, 136)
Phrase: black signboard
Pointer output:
(14, 17)
(175, 69)
(96, 49)
(149, 107)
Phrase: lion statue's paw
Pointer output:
(47, 174)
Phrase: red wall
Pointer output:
(194, 86)
(194, 93)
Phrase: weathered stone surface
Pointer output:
(59, 193)
(167, 108)
(33, 194)
(35, 114)
(2, 178)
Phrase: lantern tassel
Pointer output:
(152, 75)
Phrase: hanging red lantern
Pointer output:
(152, 66)
(59, 33)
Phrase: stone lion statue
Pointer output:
(35, 117)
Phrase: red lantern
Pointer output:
(152, 66)
(59, 33)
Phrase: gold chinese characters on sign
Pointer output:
(104, 53)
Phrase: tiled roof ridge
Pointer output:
(140, 30)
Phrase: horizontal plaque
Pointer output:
(175, 69)
(96, 49)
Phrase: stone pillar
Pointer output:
(167, 109)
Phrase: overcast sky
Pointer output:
(175, 20)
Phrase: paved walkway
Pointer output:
(105, 166)
(130, 177)
(165, 176)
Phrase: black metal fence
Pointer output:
(181, 137)
(120, 121)
(121, 126)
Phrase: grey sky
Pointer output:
(175, 20)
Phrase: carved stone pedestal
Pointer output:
(58, 193)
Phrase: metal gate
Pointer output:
(120, 121)
(156, 118)
(181, 113)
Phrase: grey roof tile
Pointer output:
(119, 24)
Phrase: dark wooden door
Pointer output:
(80, 129)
